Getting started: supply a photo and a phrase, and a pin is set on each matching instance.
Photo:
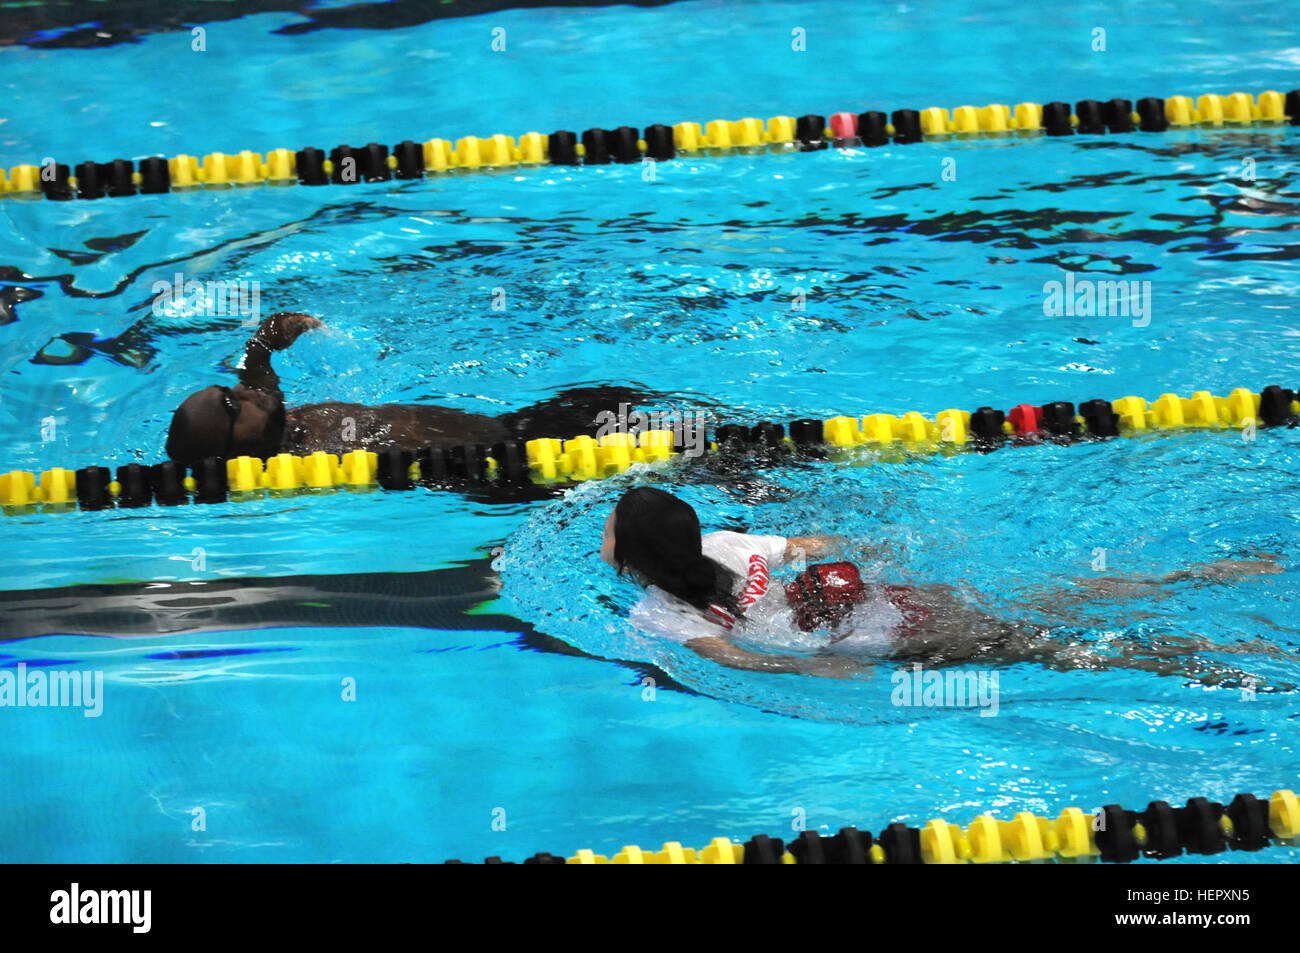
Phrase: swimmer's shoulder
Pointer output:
(727, 542)
(729, 537)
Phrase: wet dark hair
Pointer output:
(658, 536)
(204, 425)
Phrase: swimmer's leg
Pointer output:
(1091, 588)
(1172, 646)
(1165, 660)
(955, 633)
(1089, 591)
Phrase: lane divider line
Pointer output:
(411, 159)
(549, 460)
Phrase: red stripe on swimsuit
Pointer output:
(756, 581)
(720, 616)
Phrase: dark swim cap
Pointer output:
(202, 426)
(219, 422)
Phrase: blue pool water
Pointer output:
(495, 675)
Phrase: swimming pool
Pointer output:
(495, 719)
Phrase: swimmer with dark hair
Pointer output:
(704, 590)
(250, 419)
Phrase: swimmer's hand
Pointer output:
(283, 328)
(803, 548)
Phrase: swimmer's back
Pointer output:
(336, 427)
(664, 614)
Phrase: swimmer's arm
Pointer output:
(719, 650)
(275, 334)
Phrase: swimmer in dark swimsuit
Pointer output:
(657, 538)
(251, 419)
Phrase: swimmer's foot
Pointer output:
(1251, 647)
(1224, 569)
